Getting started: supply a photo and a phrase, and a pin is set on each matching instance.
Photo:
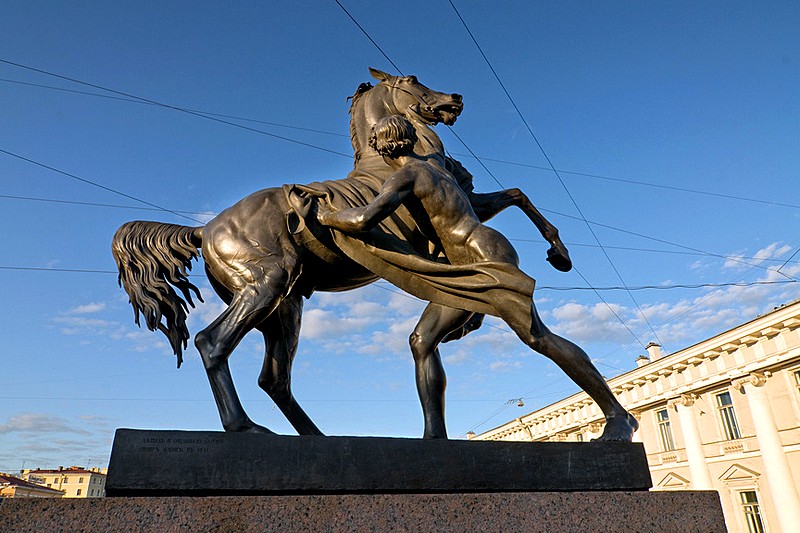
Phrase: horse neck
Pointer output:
(428, 143)
(368, 109)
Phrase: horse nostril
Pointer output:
(456, 97)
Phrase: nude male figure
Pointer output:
(443, 212)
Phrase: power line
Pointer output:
(175, 108)
(49, 269)
(636, 182)
(96, 204)
(380, 285)
(95, 184)
(690, 251)
(553, 168)
(368, 37)
(664, 241)
(471, 154)
(141, 102)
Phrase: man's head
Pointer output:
(393, 136)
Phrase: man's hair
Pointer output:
(393, 136)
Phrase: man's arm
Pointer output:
(358, 219)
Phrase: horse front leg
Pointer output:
(434, 325)
(487, 205)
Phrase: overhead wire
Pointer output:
(561, 181)
(202, 115)
(142, 102)
(638, 182)
(98, 185)
(689, 251)
(471, 154)
(174, 108)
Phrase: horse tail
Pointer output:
(152, 258)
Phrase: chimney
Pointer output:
(641, 361)
(654, 350)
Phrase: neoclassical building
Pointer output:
(723, 415)
(73, 482)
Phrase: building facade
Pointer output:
(75, 481)
(721, 415)
(14, 487)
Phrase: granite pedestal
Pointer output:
(209, 481)
(550, 512)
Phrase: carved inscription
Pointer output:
(178, 445)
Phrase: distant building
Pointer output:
(723, 414)
(75, 481)
(14, 487)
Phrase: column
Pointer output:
(698, 467)
(776, 466)
(637, 435)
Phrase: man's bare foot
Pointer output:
(619, 429)
(558, 256)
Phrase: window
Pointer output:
(665, 431)
(797, 379)
(752, 513)
(78, 493)
(80, 480)
(728, 416)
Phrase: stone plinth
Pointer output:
(206, 463)
(551, 512)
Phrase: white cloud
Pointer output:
(589, 323)
(504, 366)
(92, 307)
(39, 423)
(319, 323)
(740, 262)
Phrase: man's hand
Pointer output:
(325, 215)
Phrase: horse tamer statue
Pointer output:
(267, 252)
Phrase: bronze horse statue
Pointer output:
(262, 258)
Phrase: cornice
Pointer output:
(768, 326)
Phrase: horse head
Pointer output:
(400, 95)
(411, 97)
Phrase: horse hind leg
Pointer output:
(248, 308)
(281, 332)
(435, 324)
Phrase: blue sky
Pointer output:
(675, 128)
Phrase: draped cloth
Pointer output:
(396, 251)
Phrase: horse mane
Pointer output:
(362, 89)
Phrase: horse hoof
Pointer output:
(619, 429)
(559, 258)
(255, 428)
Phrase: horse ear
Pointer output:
(379, 74)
